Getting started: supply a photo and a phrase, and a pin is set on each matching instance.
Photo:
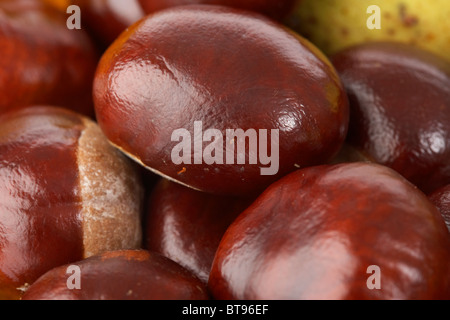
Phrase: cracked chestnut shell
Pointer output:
(121, 275)
(66, 194)
(227, 69)
(42, 61)
(274, 9)
(315, 233)
(399, 109)
(186, 225)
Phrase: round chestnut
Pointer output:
(186, 225)
(107, 19)
(218, 99)
(119, 275)
(66, 194)
(274, 9)
(399, 109)
(42, 61)
(441, 198)
(346, 231)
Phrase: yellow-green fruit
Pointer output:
(337, 24)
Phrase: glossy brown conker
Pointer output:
(120, 275)
(322, 232)
(214, 69)
(399, 109)
(65, 194)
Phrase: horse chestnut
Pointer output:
(65, 194)
(218, 99)
(107, 19)
(186, 225)
(42, 61)
(399, 109)
(120, 275)
(347, 231)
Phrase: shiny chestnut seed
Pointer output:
(186, 225)
(347, 231)
(119, 275)
(274, 9)
(441, 198)
(65, 194)
(218, 99)
(107, 19)
(42, 61)
(399, 109)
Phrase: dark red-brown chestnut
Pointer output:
(346, 231)
(107, 19)
(42, 61)
(120, 275)
(274, 9)
(196, 75)
(186, 225)
(65, 194)
(399, 109)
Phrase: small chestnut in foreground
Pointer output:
(275, 9)
(319, 233)
(42, 61)
(399, 109)
(66, 194)
(218, 99)
(186, 225)
(107, 19)
(441, 198)
(120, 275)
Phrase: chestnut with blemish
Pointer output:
(318, 232)
(191, 75)
(107, 19)
(66, 194)
(441, 198)
(186, 225)
(399, 109)
(120, 275)
(42, 61)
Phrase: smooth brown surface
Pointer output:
(275, 9)
(40, 203)
(314, 233)
(230, 70)
(187, 225)
(441, 198)
(107, 19)
(121, 275)
(42, 61)
(400, 109)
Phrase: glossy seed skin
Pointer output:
(274, 9)
(40, 226)
(315, 233)
(65, 194)
(399, 109)
(121, 275)
(107, 19)
(227, 69)
(42, 61)
(186, 225)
